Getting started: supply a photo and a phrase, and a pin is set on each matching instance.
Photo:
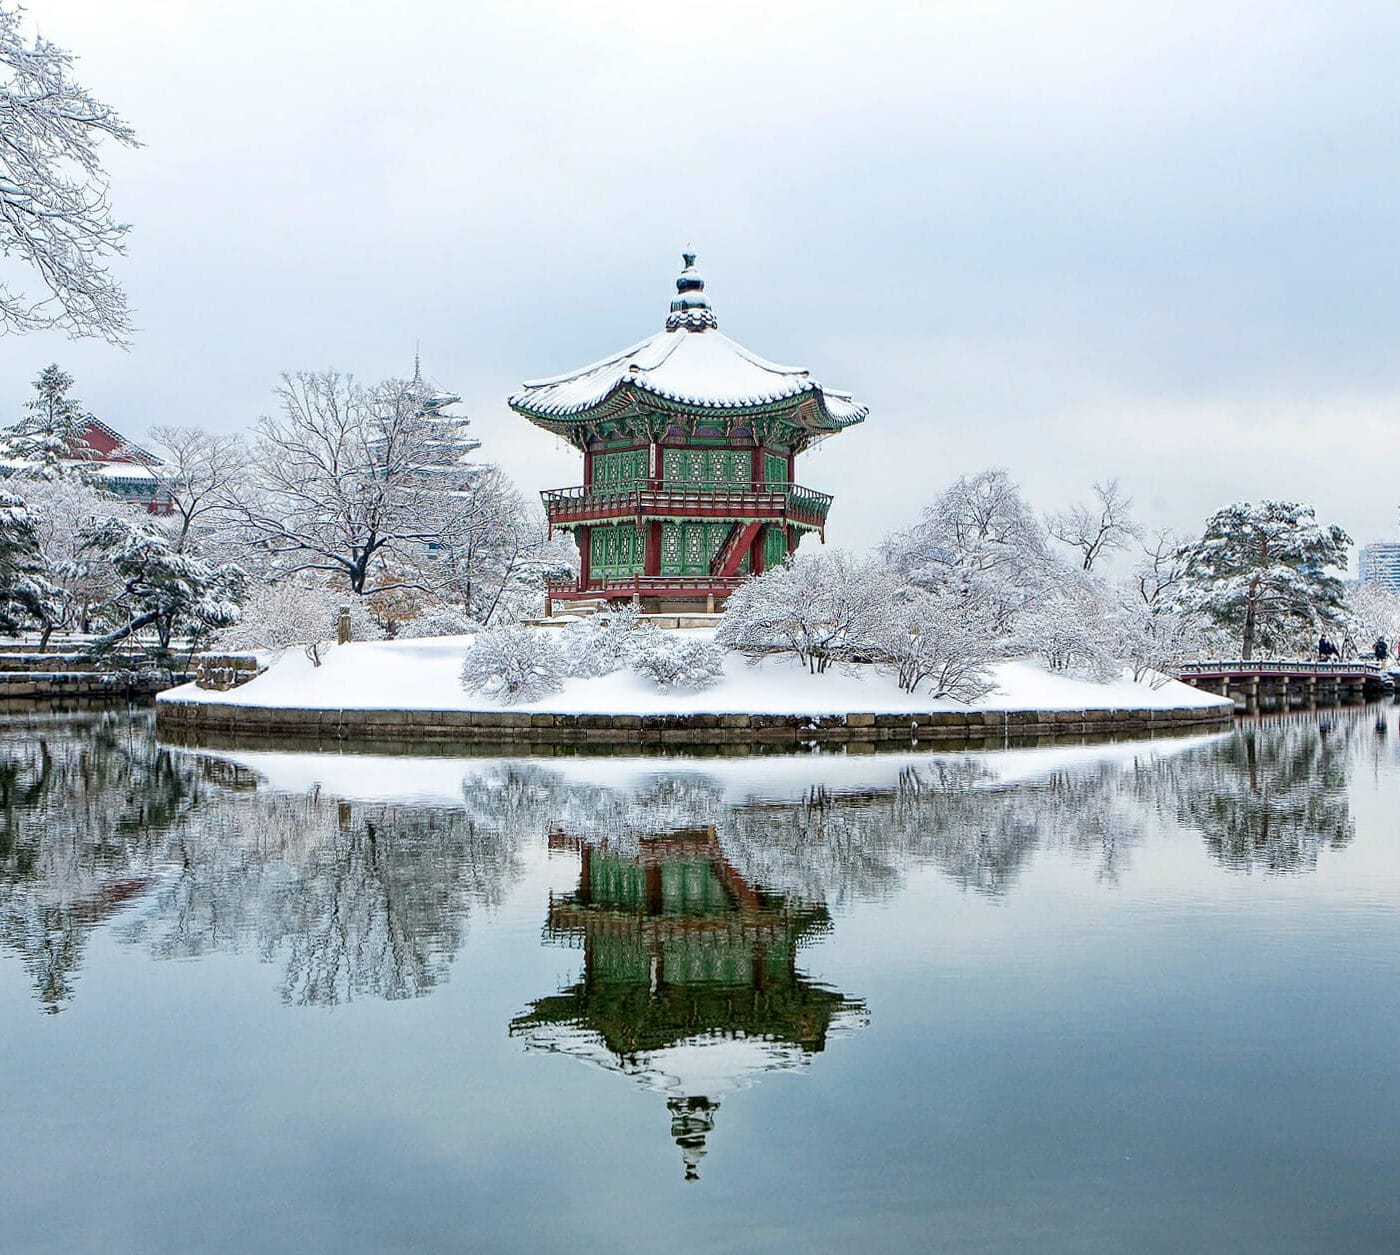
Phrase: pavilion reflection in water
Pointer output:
(690, 982)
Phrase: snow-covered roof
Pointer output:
(690, 363)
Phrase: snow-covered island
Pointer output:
(387, 679)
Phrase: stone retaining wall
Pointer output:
(29, 685)
(466, 727)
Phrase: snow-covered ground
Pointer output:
(423, 675)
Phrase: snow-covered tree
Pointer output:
(1150, 636)
(1070, 630)
(1267, 572)
(26, 596)
(50, 438)
(673, 660)
(492, 557)
(201, 475)
(599, 643)
(162, 590)
(55, 217)
(937, 640)
(1373, 613)
(981, 541)
(1105, 525)
(513, 664)
(63, 511)
(295, 612)
(821, 608)
(371, 485)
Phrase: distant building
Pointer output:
(1380, 564)
(116, 465)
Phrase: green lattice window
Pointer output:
(614, 552)
(775, 469)
(625, 470)
(690, 548)
(711, 467)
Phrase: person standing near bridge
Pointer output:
(1380, 650)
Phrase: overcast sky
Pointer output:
(1151, 241)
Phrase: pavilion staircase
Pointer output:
(730, 555)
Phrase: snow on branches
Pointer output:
(1268, 573)
(674, 661)
(163, 591)
(513, 664)
(830, 609)
(54, 213)
(295, 612)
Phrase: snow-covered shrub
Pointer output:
(823, 608)
(439, 621)
(295, 612)
(671, 660)
(598, 644)
(933, 638)
(1072, 630)
(513, 664)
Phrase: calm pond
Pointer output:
(1127, 997)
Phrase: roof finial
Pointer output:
(690, 311)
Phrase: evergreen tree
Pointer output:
(51, 439)
(25, 595)
(163, 590)
(1267, 572)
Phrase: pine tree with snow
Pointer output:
(26, 596)
(50, 439)
(163, 591)
(1268, 573)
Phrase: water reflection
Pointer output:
(351, 895)
(690, 982)
(351, 899)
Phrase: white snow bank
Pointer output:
(766, 777)
(423, 675)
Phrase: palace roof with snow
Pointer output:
(691, 366)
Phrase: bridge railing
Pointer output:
(1275, 666)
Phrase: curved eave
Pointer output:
(628, 397)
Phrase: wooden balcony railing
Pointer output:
(785, 502)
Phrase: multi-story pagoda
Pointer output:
(689, 443)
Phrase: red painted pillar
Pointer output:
(587, 468)
(584, 548)
(651, 556)
(756, 465)
(756, 551)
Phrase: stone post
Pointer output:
(342, 626)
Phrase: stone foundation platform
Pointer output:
(188, 721)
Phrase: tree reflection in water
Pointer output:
(356, 898)
(352, 899)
